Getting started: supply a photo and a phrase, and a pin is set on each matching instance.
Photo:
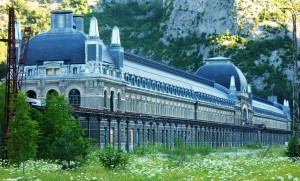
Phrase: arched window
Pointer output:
(52, 92)
(112, 99)
(245, 116)
(105, 99)
(119, 101)
(138, 82)
(74, 97)
(31, 94)
(29, 72)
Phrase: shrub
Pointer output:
(293, 149)
(139, 150)
(254, 145)
(113, 158)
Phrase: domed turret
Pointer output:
(60, 43)
(220, 70)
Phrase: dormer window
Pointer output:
(75, 70)
(52, 71)
(49, 71)
(91, 52)
(57, 71)
(29, 72)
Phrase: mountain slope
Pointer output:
(181, 33)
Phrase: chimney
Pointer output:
(272, 98)
(78, 22)
(18, 34)
(61, 21)
(94, 32)
(249, 89)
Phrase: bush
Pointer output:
(254, 145)
(113, 158)
(293, 149)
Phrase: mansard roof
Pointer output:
(163, 67)
(57, 47)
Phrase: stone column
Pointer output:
(176, 136)
(109, 128)
(186, 134)
(99, 132)
(196, 136)
(127, 135)
(164, 136)
(89, 126)
(119, 137)
(170, 137)
(144, 143)
(157, 128)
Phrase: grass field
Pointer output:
(219, 165)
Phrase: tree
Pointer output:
(2, 100)
(2, 70)
(59, 128)
(71, 145)
(23, 134)
(293, 149)
(54, 121)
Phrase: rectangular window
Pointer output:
(49, 72)
(57, 71)
(91, 52)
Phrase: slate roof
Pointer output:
(57, 47)
(221, 74)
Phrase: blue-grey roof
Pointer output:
(160, 66)
(221, 74)
(53, 47)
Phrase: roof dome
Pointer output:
(220, 70)
(57, 47)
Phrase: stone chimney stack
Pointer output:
(272, 98)
(18, 33)
(61, 21)
(78, 22)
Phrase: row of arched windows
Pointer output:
(157, 86)
(75, 98)
(112, 100)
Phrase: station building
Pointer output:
(156, 102)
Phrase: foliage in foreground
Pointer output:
(22, 144)
(62, 135)
(53, 134)
(254, 145)
(216, 166)
(71, 145)
(113, 158)
(293, 149)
